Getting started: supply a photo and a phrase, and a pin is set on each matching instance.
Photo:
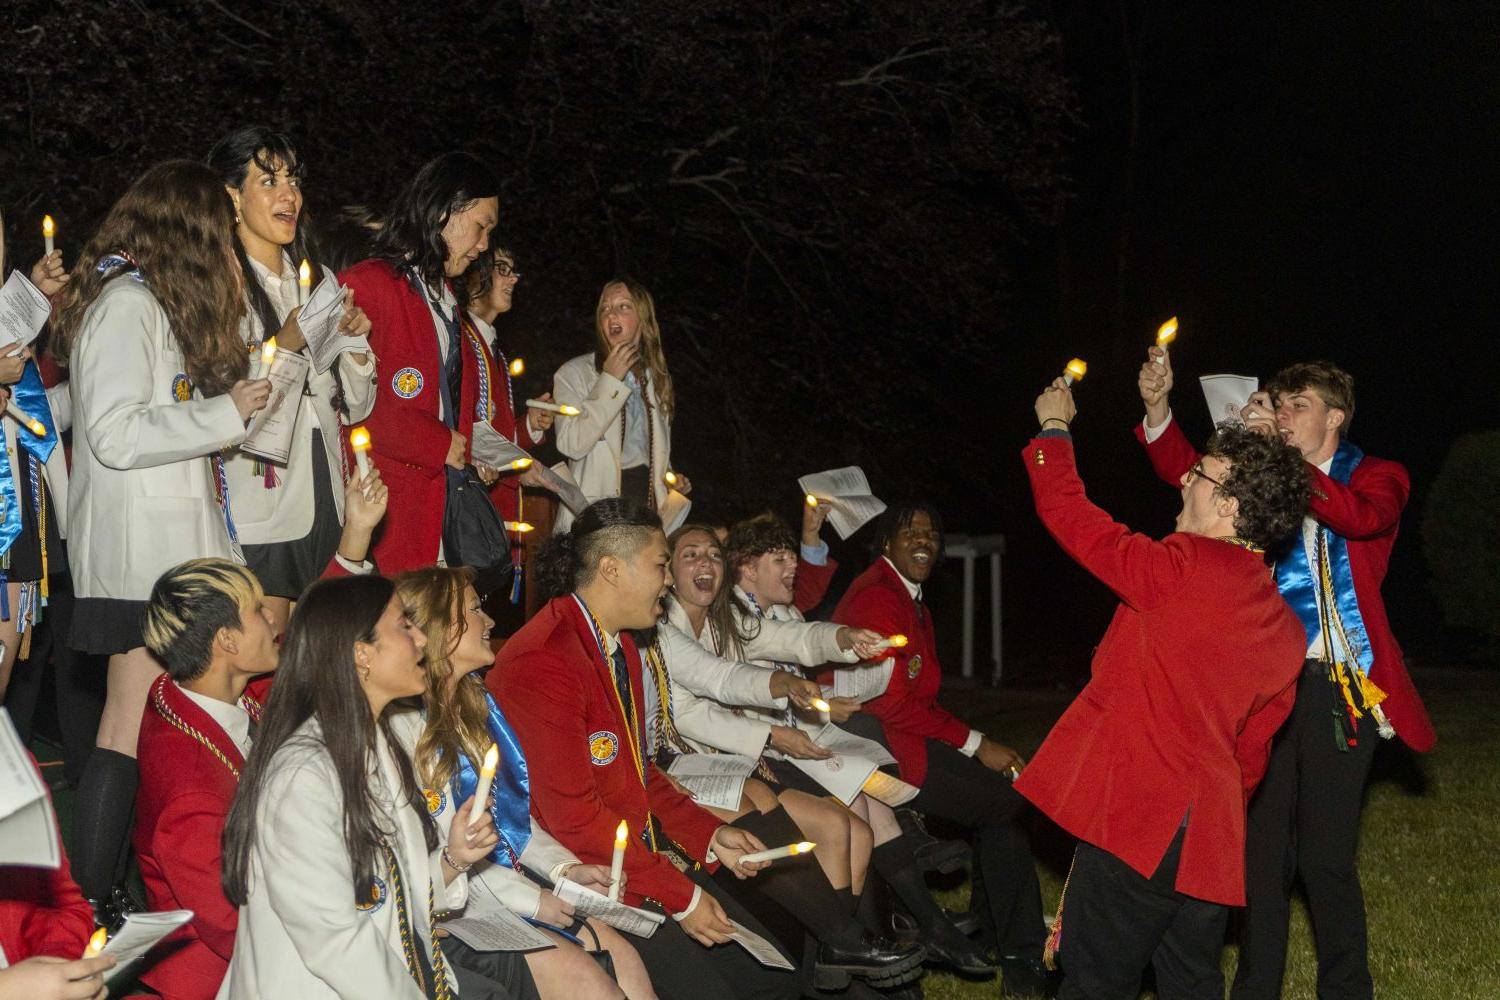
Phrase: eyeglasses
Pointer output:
(504, 269)
(1196, 472)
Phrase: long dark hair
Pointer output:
(613, 526)
(413, 232)
(317, 679)
(230, 159)
(177, 222)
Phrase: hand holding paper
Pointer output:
(846, 493)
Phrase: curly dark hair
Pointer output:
(1269, 479)
(754, 537)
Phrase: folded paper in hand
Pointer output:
(139, 934)
(273, 426)
(847, 493)
(319, 321)
(23, 311)
(1226, 396)
(588, 903)
(28, 826)
(717, 780)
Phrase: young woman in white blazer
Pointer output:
(620, 445)
(149, 329)
(449, 741)
(288, 515)
(329, 852)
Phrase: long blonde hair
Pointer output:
(176, 223)
(651, 356)
(456, 723)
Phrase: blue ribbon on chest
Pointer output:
(30, 397)
(512, 789)
(1299, 580)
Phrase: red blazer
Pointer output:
(42, 912)
(506, 493)
(1194, 676)
(811, 583)
(908, 711)
(190, 769)
(553, 685)
(408, 439)
(1367, 513)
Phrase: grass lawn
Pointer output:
(1429, 856)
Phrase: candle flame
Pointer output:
(568, 410)
(520, 463)
(97, 942)
(1077, 368)
(491, 760)
(821, 705)
(622, 834)
(812, 501)
(37, 427)
(267, 354)
(517, 367)
(359, 438)
(520, 527)
(670, 477)
(898, 641)
(1167, 332)
(304, 274)
(49, 228)
(802, 848)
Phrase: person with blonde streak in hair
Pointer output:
(460, 721)
(209, 622)
(620, 445)
(149, 328)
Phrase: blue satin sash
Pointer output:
(30, 397)
(512, 789)
(1296, 579)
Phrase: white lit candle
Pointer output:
(267, 355)
(891, 641)
(359, 442)
(1076, 369)
(561, 409)
(304, 282)
(1165, 334)
(617, 862)
(49, 230)
(824, 710)
(96, 944)
(34, 426)
(486, 778)
(789, 851)
(520, 527)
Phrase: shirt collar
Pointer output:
(233, 719)
(486, 330)
(914, 589)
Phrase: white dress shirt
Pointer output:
(233, 719)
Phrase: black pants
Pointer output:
(682, 969)
(961, 789)
(1116, 921)
(1304, 819)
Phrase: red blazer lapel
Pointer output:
(181, 713)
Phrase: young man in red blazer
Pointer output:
(964, 776)
(1305, 819)
(1151, 767)
(205, 620)
(570, 680)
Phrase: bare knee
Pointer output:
(131, 675)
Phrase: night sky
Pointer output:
(1292, 181)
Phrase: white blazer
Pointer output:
(142, 493)
(785, 637)
(707, 690)
(591, 440)
(300, 934)
(284, 513)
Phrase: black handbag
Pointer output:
(473, 533)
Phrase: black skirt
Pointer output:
(286, 569)
(104, 626)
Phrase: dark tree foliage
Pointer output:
(826, 196)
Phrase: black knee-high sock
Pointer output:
(799, 884)
(897, 864)
(102, 812)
